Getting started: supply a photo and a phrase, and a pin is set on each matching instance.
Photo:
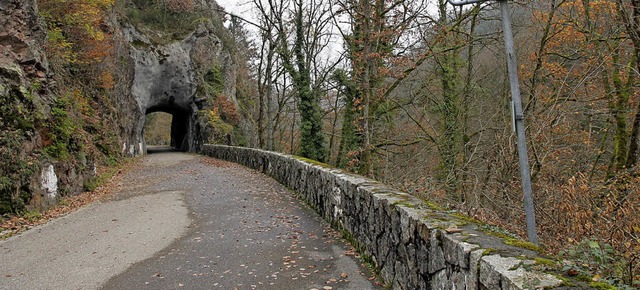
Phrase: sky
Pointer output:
(238, 7)
(243, 9)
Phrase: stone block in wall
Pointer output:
(507, 273)
(437, 260)
(441, 280)
(456, 251)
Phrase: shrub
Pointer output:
(175, 18)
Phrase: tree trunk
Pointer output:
(632, 22)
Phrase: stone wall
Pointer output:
(413, 245)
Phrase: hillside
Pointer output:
(78, 78)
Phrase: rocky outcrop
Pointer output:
(167, 78)
(60, 116)
(21, 38)
(413, 245)
(24, 87)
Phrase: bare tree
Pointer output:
(297, 32)
(374, 44)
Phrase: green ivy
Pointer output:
(18, 108)
(597, 263)
(214, 81)
(61, 129)
(15, 173)
(20, 114)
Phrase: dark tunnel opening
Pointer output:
(179, 127)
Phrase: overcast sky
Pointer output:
(238, 7)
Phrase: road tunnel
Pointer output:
(179, 137)
(164, 80)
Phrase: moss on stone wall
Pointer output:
(313, 162)
(378, 219)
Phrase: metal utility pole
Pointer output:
(518, 116)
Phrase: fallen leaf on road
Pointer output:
(350, 253)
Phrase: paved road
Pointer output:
(186, 222)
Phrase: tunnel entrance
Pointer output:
(157, 129)
(168, 126)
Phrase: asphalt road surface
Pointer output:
(186, 222)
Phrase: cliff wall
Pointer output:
(78, 78)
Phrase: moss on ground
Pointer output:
(546, 262)
(602, 286)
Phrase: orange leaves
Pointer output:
(106, 80)
(76, 29)
(214, 115)
(580, 65)
(227, 110)
(354, 160)
(179, 6)
(95, 51)
(609, 213)
(580, 39)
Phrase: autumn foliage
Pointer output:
(76, 31)
(581, 103)
(423, 103)
(179, 6)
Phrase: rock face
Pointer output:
(49, 181)
(414, 247)
(166, 80)
(21, 38)
(23, 67)
(60, 118)
(49, 146)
